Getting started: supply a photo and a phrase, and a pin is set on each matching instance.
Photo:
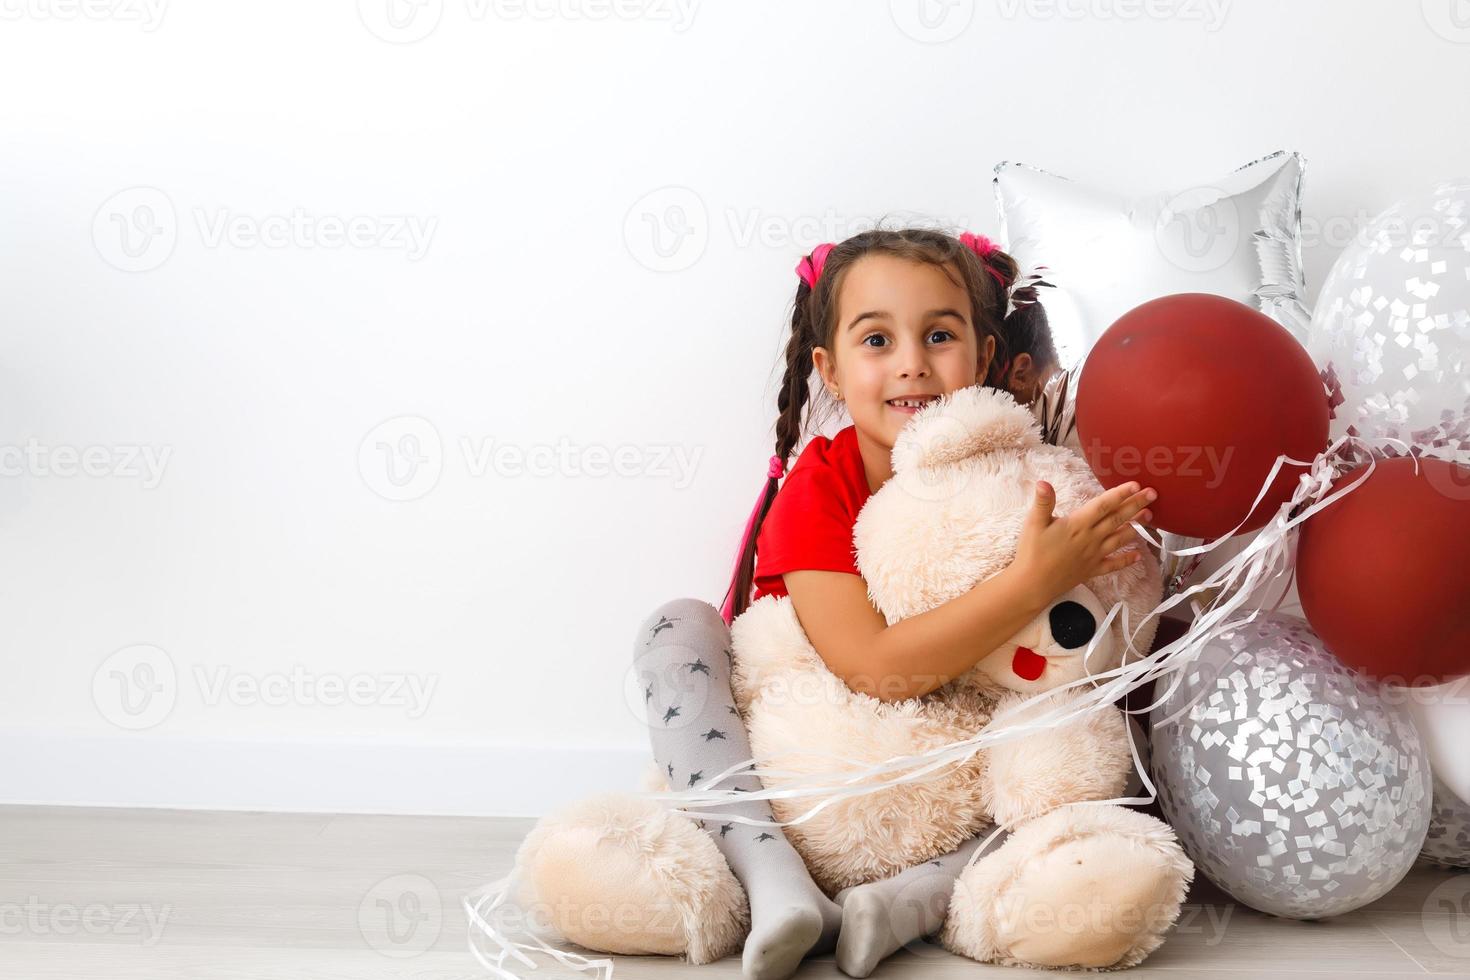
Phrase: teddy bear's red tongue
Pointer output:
(1027, 663)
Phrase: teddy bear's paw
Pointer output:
(621, 874)
(1093, 887)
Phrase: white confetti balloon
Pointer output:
(1291, 781)
(1392, 324)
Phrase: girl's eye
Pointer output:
(942, 334)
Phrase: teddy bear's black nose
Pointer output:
(1072, 624)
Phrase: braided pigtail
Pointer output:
(791, 405)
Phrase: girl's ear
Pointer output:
(822, 361)
(982, 367)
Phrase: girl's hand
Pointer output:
(1060, 553)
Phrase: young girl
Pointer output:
(887, 321)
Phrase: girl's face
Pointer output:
(903, 334)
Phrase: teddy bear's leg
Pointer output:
(1093, 886)
(683, 658)
(623, 874)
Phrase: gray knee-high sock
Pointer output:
(881, 917)
(682, 656)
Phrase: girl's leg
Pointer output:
(682, 658)
(881, 917)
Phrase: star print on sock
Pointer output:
(671, 713)
(694, 777)
(698, 667)
(713, 734)
(726, 828)
(734, 712)
(765, 837)
(647, 693)
(664, 623)
(936, 864)
(671, 770)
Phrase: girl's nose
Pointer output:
(1072, 624)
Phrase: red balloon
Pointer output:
(1382, 572)
(1196, 395)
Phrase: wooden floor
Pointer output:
(165, 894)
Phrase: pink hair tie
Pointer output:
(774, 471)
(810, 267)
(983, 247)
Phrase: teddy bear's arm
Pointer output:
(1084, 759)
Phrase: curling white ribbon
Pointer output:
(1263, 561)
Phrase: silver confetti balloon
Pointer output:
(1291, 782)
(1448, 842)
(1392, 325)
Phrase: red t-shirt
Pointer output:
(809, 525)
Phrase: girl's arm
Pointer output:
(922, 653)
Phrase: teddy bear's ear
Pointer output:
(969, 422)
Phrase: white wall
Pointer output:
(531, 146)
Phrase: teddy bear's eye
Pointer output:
(1072, 624)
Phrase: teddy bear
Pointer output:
(1093, 885)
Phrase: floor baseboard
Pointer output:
(310, 776)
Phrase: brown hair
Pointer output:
(814, 321)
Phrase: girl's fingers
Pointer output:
(1097, 509)
(1116, 540)
(1126, 509)
(1115, 562)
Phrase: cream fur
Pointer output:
(622, 874)
(964, 474)
(951, 516)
